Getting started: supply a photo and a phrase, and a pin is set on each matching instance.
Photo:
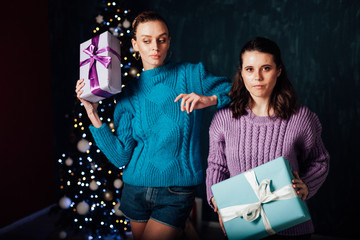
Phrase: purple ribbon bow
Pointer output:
(92, 51)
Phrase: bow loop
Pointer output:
(92, 51)
(265, 194)
(252, 212)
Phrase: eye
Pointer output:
(266, 69)
(249, 69)
(146, 41)
(162, 40)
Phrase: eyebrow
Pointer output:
(265, 65)
(157, 36)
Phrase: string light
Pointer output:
(79, 173)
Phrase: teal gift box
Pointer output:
(260, 202)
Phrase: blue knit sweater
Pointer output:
(158, 144)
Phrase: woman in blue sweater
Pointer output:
(157, 133)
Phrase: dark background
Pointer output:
(320, 42)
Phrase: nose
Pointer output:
(155, 46)
(257, 75)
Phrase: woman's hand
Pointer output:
(192, 101)
(217, 211)
(91, 108)
(299, 186)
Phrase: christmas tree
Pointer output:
(90, 185)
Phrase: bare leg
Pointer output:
(137, 229)
(158, 231)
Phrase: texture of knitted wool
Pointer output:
(157, 143)
(237, 145)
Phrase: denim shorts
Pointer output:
(168, 205)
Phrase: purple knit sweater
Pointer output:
(237, 145)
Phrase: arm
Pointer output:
(118, 147)
(314, 166)
(208, 89)
(217, 169)
(214, 85)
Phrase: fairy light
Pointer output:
(84, 171)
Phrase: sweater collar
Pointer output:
(259, 119)
(148, 74)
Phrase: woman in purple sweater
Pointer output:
(264, 122)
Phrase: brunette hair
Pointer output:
(283, 97)
(146, 16)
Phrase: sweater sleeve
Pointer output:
(118, 146)
(212, 85)
(217, 169)
(314, 166)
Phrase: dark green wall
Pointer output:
(320, 42)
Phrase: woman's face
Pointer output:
(259, 73)
(152, 42)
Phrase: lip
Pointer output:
(155, 56)
(258, 86)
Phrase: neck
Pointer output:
(260, 107)
(147, 66)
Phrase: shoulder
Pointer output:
(188, 66)
(304, 113)
(124, 99)
(223, 113)
(222, 122)
(222, 116)
(306, 119)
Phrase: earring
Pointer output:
(137, 56)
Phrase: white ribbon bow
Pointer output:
(252, 211)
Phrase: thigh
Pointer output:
(137, 229)
(155, 230)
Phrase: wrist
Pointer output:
(94, 118)
(91, 112)
(214, 100)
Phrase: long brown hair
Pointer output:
(283, 97)
(146, 16)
